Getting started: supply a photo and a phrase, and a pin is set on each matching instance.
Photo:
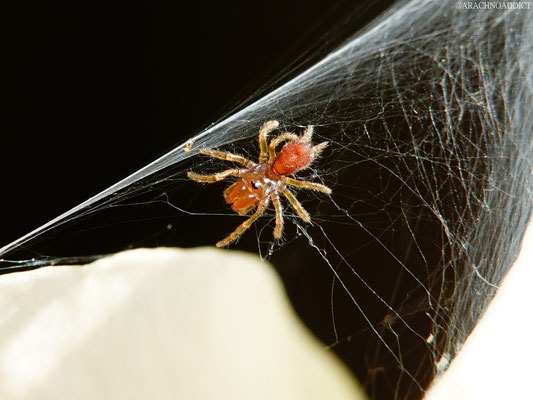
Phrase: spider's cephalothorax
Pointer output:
(266, 180)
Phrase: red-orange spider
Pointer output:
(260, 183)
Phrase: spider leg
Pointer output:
(215, 177)
(275, 142)
(278, 230)
(300, 210)
(263, 132)
(307, 185)
(244, 226)
(223, 155)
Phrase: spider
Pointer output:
(264, 181)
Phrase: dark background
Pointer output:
(93, 94)
(96, 93)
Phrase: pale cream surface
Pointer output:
(160, 324)
(495, 362)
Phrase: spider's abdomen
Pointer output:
(293, 157)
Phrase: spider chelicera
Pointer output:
(264, 181)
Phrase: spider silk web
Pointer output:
(428, 116)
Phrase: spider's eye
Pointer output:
(253, 185)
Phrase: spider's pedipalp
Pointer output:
(300, 210)
(215, 177)
(263, 133)
(307, 185)
(244, 226)
(223, 155)
(244, 211)
(230, 188)
(278, 230)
